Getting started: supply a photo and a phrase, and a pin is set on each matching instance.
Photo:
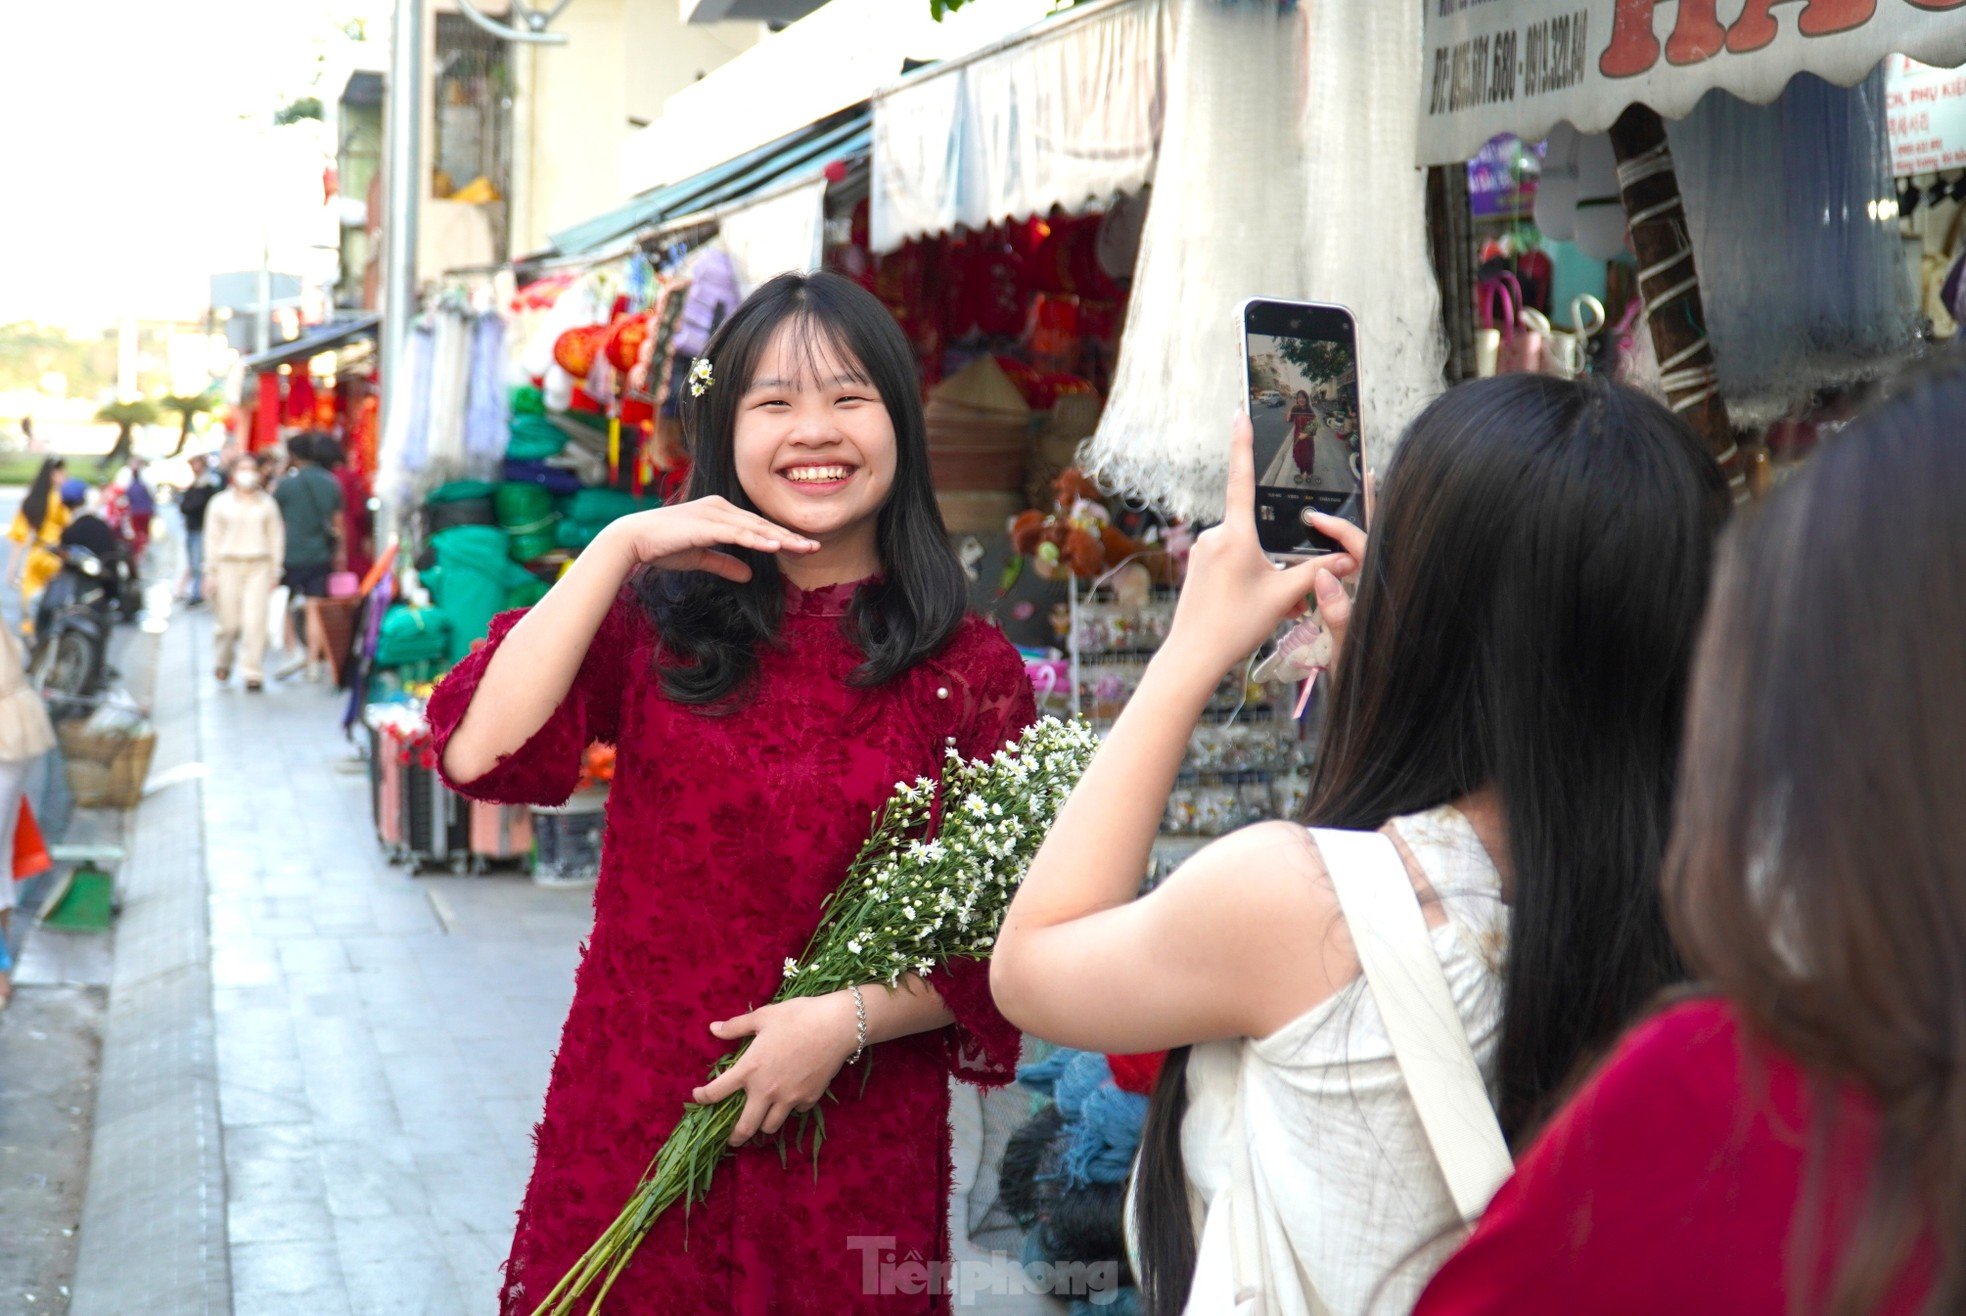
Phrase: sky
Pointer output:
(134, 157)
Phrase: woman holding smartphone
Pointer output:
(1794, 1140)
(1507, 708)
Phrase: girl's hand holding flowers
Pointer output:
(797, 1048)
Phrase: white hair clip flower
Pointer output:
(700, 378)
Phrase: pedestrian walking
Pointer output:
(310, 506)
(25, 736)
(142, 510)
(811, 655)
(1794, 1140)
(205, 485)
(1506, 711)
(245, 541)
(36, 532)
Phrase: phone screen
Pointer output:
(1302, 364)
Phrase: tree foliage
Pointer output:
(187, 409)
(306, 107)
(126, 417)
(30, 351)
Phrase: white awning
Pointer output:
(1065, 114)
(1524, 66)
(775, 234)
(833, 59)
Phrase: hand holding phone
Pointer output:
(1301, 363)
(1234, 596)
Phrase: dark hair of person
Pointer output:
(306, 447)
(1814, 878)
(712, 628)
(324, 449)
(34, 507)
(1525, 618)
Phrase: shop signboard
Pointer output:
(1522, 66)
(1927, 112)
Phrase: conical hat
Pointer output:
(981, 384)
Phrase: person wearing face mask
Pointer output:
(245, 542)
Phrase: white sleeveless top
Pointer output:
(1352, 1186)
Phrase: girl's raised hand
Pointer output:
(692, 536)
(1234, 597)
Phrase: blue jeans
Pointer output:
(194, 556)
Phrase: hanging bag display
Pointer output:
(1495, 310)
(1565, 352)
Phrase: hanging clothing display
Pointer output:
(450, 387)
(488, 416)
(1801, 267)
(1283, 173)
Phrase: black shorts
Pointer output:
(308, 582)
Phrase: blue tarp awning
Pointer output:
(791, 158)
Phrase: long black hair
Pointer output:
(1525, 619)
(34, 507)
(711, 627)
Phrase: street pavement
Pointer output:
(383, 1039)
(377, 1042)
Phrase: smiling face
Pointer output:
(813, 443)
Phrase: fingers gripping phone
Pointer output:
(1301, 363)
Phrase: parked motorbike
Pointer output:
(73, 620)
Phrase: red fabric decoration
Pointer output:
(687, 931)
(300, 399)
(266, 418)
(1139, 1073)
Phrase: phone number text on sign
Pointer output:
(1495, 67)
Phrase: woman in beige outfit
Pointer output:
(25, 735)
(245, 542)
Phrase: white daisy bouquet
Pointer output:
(910, 902)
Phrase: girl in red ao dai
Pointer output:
(769, 655)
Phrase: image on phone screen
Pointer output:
(1302, 364)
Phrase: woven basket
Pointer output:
(107, 771)
(978, 513)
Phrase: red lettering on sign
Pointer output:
(1697, 33)
(1756, 27)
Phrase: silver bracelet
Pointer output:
(859, 1026)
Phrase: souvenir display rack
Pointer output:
(1248, 760)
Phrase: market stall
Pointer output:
(1761, 216)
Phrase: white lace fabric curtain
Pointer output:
(1285, 171)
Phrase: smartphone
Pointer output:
(1301, 363)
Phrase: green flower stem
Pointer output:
(906, 905)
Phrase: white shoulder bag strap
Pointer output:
(1396, 953)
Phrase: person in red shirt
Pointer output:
(1795, 1143)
